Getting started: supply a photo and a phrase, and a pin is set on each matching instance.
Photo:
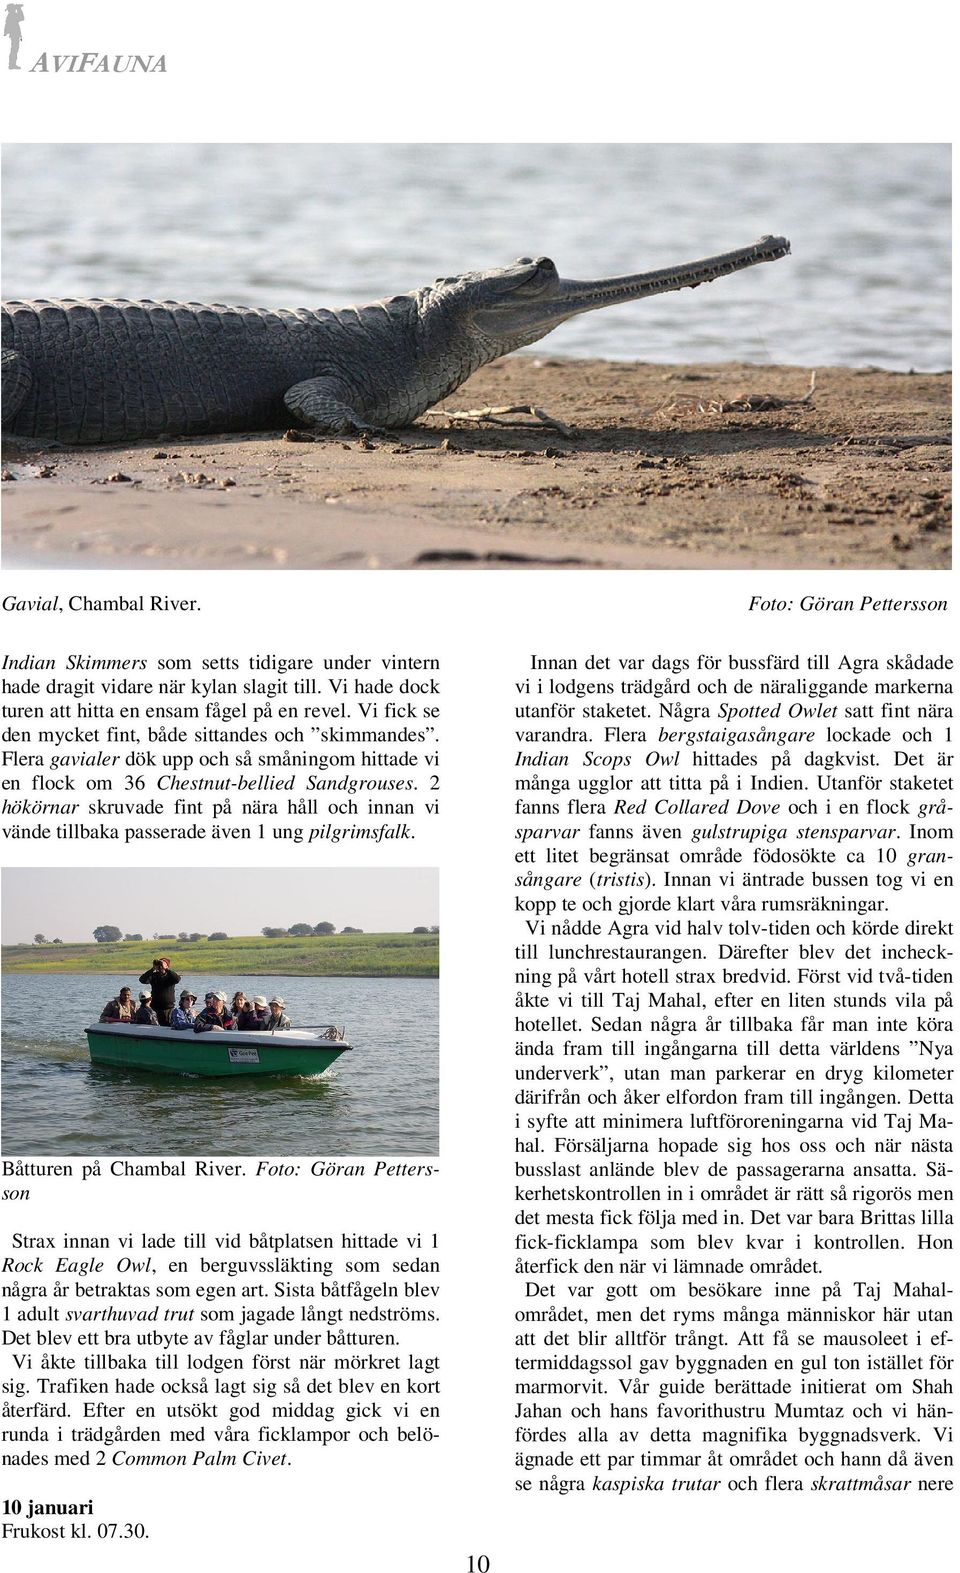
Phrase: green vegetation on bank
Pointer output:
(311, 956)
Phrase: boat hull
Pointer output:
(211, 1053)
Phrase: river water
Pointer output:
(380, 1098)
(305, 225)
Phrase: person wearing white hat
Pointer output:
(254, 1016)
(145, 1016)
(214, 1017)
(277, 1021)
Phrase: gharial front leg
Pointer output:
(323, 405)
(16, 380)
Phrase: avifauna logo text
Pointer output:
(90, 61)
(93, 62)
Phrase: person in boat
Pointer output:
(121, 1009)
(238, 1005)
(183, 1015)
(215, 1017)
(255, 1015)
(276, 1020)
(162, 983)
(145, 1015)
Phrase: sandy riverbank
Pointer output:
(654, 473)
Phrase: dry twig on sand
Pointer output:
(494, 413)
(743, 404)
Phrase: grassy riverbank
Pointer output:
(316, 956)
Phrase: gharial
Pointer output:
(78, 371)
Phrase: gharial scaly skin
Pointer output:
(79, 371)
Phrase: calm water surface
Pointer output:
(380, 1098)
(275, 225)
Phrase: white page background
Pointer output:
(477, 72)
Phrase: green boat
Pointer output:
(299, 1051)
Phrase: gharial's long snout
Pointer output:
(574, 296)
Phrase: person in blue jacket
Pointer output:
(183, 1015)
